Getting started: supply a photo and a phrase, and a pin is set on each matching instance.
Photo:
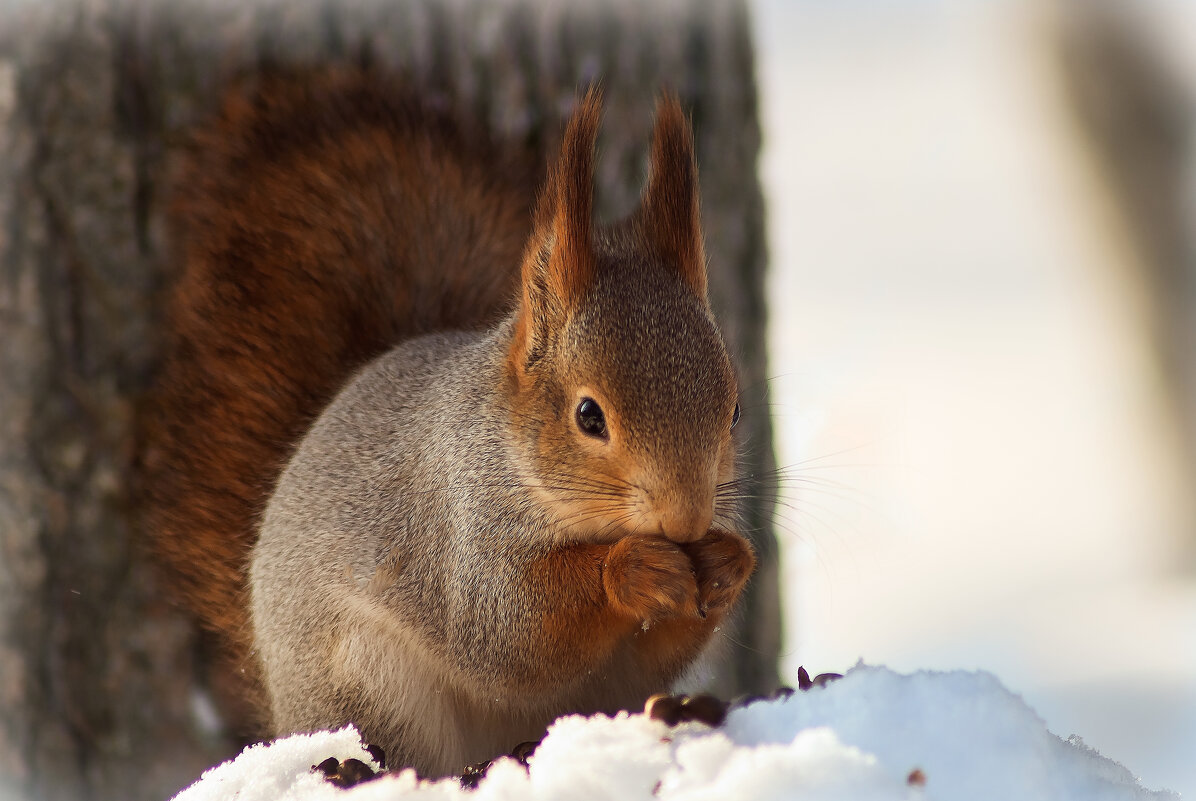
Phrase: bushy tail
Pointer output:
(318, 220)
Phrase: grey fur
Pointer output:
(386, 582)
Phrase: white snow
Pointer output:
(859, 738)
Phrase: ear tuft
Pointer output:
(558, 264)
(670, 216)
(565, 213)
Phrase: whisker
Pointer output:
(584, 515)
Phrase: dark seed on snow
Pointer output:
(804, 682)
(349, 773)
(823, 679)
(523, 751)
(704, 709)
(328, 767)
(378, 754)
(353, 772)
(665, 708)
(473, 774)
(744, 700)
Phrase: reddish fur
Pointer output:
(599, 594)
(720, 558)
(558, 262)
(298, 265)
(722, 562)
(649, 577)
(670, 216)
(569, 202)
(302, 258)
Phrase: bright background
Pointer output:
(981, 469)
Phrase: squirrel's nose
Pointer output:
(685, 522)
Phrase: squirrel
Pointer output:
(430, 453)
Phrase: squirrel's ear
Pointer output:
(564, 215)
(558, 264)
(670, 218)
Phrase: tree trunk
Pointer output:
(1129, 94)
(102, 683)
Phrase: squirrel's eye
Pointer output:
(735, 416)
(590, 418)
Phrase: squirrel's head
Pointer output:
(623, 395)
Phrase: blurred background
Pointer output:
(983, 350)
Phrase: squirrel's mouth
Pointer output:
(607, 519)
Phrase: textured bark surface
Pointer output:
(102, 681)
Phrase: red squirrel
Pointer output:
(428, 454)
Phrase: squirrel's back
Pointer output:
(318, 220)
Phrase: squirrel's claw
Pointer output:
(650, 578)
(723, 562)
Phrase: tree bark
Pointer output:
(102, 683)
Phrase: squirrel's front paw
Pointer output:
(650, 578)
(723, 561)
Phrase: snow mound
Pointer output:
(874, 734)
